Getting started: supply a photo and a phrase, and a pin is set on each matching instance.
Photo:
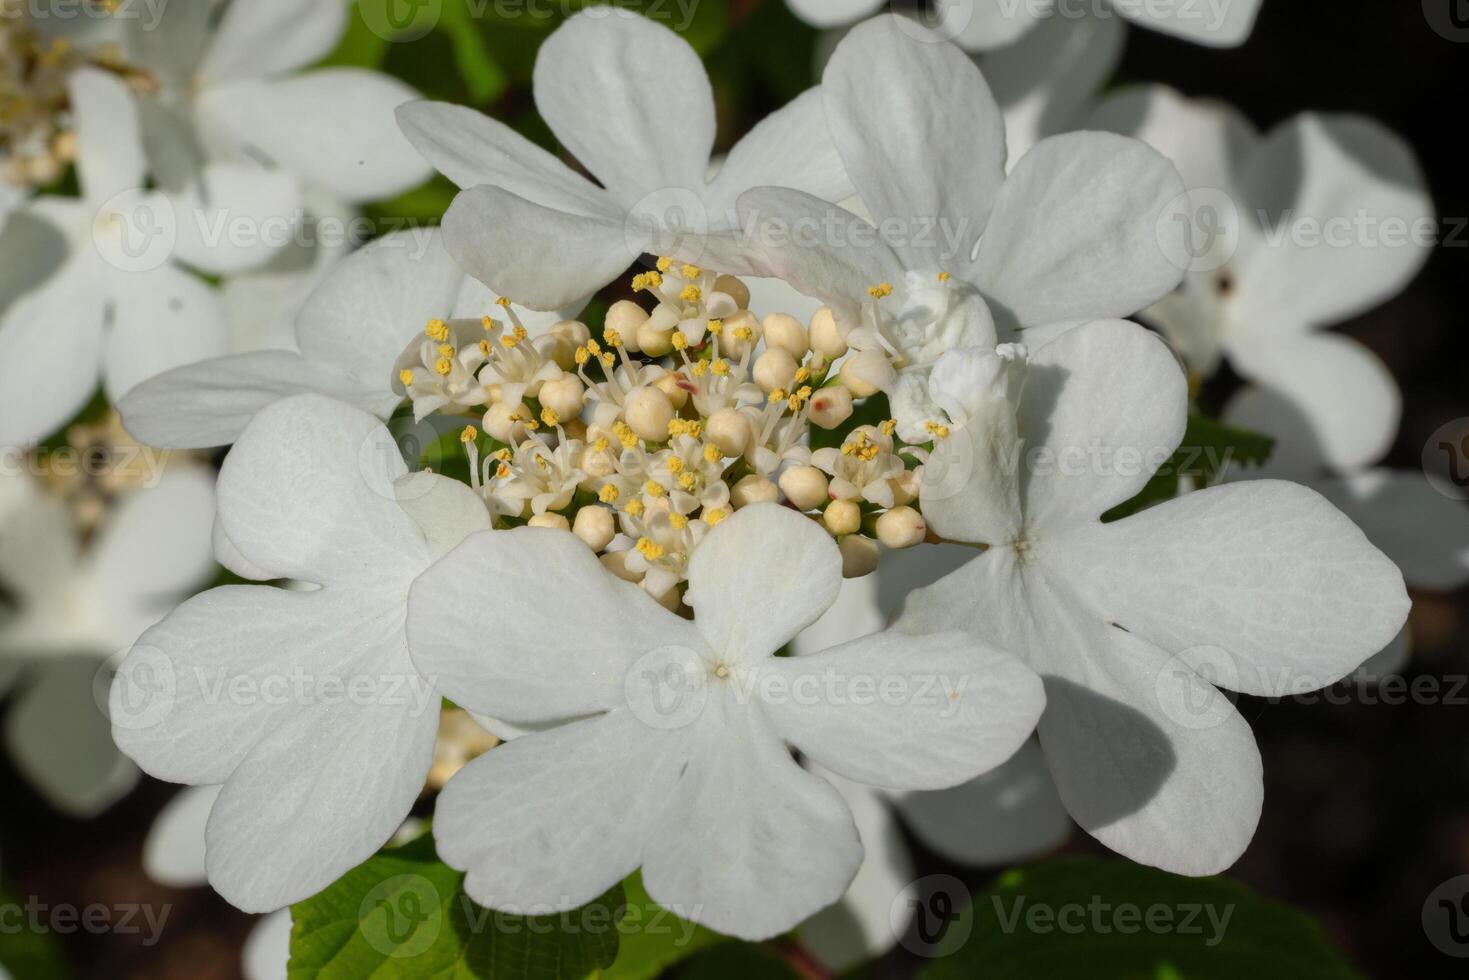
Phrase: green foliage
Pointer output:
(26, 953)
(652, 938)
(1080, 918)
(1208, 448)
(403, 913)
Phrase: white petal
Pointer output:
(980, 25)
(1008, 815)
(611, 84)
(307, 493)
(1104, 407)
(1362, 186)
(791, 147)
(481, 232)
(558, 817)
(109, 136)
(161, 319)
(1424, 533)
(832, 13)
(1265, 582)
(1330, 385)
(173, 853)
(258, 39)
(759, 578)
(267, 949)
(1081, 229)
(563, 638)
(1226, 25)
(744, 815)
(445, 510)
(210, 403)
(1208, 141)
(234, 216)
(905, 712)
(334, 128)
(919, 132)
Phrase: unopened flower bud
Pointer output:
(842, 517)
(564, 395)
(859, 555)
(804, 486)
(729, 430)
(739, 334)
(648, 412)
(668, 384)
(505, 423)
(901, 527)
(569, 335)
(734, 289)
(670, 599)
(905, 487)
(595, 526)
(775, 368)
(785, 331)
(866, 373)
(616, 563)
(826, 336)
(831, 406)
(753, 489)
(557, 521)
(626, 317)
(655, 334)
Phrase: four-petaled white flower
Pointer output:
(679, 762)
(304, 705)
(630, 99)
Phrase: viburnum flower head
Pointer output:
(1262, 587)
(678, 761)
(315, 490)
(959, 255)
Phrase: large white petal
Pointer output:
(920, 134)
(1081, 230)
(759, 578)
(173, 852)
(1208, 141)
(267, 949)
(791, 147)
(161, 319)
(744, 815)
(1223, 25)
(258, 39)
(630, 99)
(334, 128)
(526, 625)
(905, 712)
(1264, 581)
(233, 217)
(109, 137)
(832, 13)
(980, 25)
(1104, 406)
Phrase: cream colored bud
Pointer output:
(597, 466)
(569, 335)
(595, 526)
(785, 331)
(859, 555)
(842, 517)
(648, 412)
(564, 396)
(753, 489)
(626, 317)
(831, 406)
(775, 368)
(826, 336)
(804, 486)
(505, 423)
(616, 563)
(866, 373)
(729, 430)
(655, 335)
(905, 487)
(901, 527)
(670, 599)
(734, 289)
(557, 521)
(730, 342)
(668, 384)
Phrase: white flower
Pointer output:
(987, 24)
(70, 314)
(75, 607)
(304, 705)
(955, 248)
(1263, 588)
(350, 334)
(630, 99)
(700, 790)
(1271, 285)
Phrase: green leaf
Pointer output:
(403, 913)
(652, 938)
(1208, 448)
(26, 953)
(737, 961)
(1085, 917)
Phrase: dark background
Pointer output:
(1367, 805)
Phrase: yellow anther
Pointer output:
(688, 481)
(665, 263)
(646, 280)
(650, 549)
(690, 271)
(520, 333)
(888, 427)
(601, 445)
(944, 277)
(503, 455)
(484, 347)
(679, 340)
(583, 355)
(447, 350)
(936, 430)
(405, 376)
(712, 453)
(805, 392)
(550, 417)
(744, 334)
(488, 323)
(612, 337)
(608, 494)
(625, 434)
(794, 402)
(503, 301)
(719, 366)
(593, 346)
(508, 340)
(716, 327)
(778, 395)
(503, 471)
(691, 293)
(880, 290)
(675, 465)
(444, 366)
(678, 521)
(713, 517)
(634, 508)
(803, 374)
(437, 330)
(700, 368)
(532, 425)
(654, 489)
(608, 359)
(469, 434)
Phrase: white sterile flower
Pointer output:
(630, 99)
(702, 794)
(863, 468)
(350, 332)
(237, 131)
(956, 249)
(73, 307)
(77, 605)
(1262, 588)
(1319, 220)
(304, 705)
(986, 24)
